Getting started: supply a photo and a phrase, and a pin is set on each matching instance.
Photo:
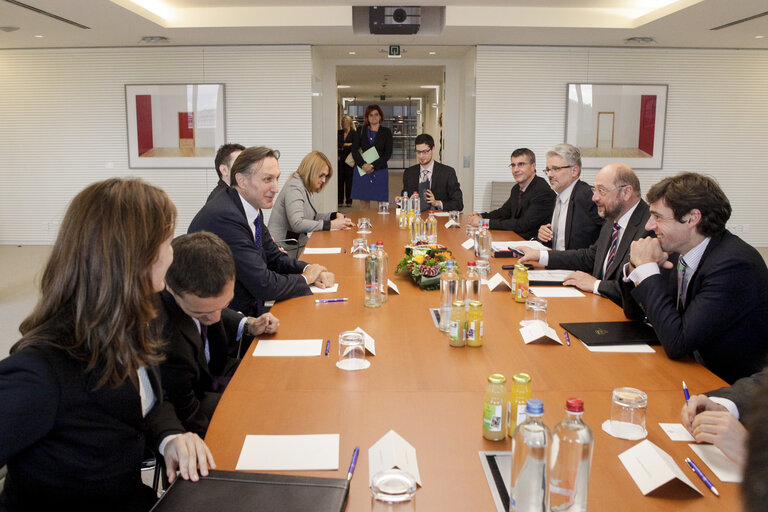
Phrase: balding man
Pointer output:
(598, 267)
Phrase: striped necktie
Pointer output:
(204, 337)
(614, 246)
(682, 267)
(257, 231)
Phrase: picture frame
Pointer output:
(617, 123)
(174, 125)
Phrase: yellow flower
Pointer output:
(419, 258)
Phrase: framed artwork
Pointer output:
(617, 122)
(174, 125)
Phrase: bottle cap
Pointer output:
(475, 304)
(380, 243)
(497, 378)
(534, 406)
(372, 246)
(574, 405)
(522, 378)
(431, 212)
(450, 263)
(471, 263)
(458, 303)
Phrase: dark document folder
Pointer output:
(233, 491)
(612, 333)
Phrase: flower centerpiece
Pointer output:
(424, 263)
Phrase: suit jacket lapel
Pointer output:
(568, 216)
(692, 283)
(626, 239)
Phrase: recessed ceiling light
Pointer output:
(433, 53)
(352, 53)
(343, 86)
(759, 37)
(39, 35)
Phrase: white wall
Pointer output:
(717, 107)
(63, 122)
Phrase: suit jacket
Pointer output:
(188, 380)
(294, 215)
(725, 316)
(68, 446)
(591, 259)
(582, 223)
(538, 202)
(218, 188)
(743, 391)
(444, 185)
(262, 273)
(383, 143)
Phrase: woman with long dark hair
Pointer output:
(80, 394)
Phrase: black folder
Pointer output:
(612, 333)
(233, 491)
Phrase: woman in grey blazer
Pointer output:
(294, 215)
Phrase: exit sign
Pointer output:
(394, 51)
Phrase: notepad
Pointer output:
(322, 250)
(287, 453)
(555, 291)
(330, 289)
(288, 348)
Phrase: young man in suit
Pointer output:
(575, 221)
(702, 288)
(263, 271)
(225, 157)
(531, 201)
(204, 339)
(436, 183)
(597, 268)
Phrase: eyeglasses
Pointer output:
(604, 191)
(518, 164)
(555, 168)
(324, 176)
(423, 151)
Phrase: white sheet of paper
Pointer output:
(370, 343)
(332, 289)
(497, 283)
(288, 348)
(502, 245)
(676, 431)
(393, 286)
(555, 291)
(636, 348)
(442, 214)
(392, 451)
(723, 467)
(289, 453)
(452, 223)
(651, 467)
(549, 275)
(322, 250)
(539, 331)
(468, 244)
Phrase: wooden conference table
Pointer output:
(432, 394)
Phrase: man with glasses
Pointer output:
(436, 183)
(530, 202)
(597, 268)
(575, 221)
(701, 287)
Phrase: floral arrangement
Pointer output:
(424, 263)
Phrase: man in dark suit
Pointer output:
(225, 157)
(204, 339)
(575, 221)
(436, 183)
(530, 202)
(702, 288)
(263, 272)
(598, 267)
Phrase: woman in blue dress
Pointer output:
(373, 185)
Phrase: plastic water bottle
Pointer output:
(383, 270)
(372, 288)
(449, 292)
(530, 444)
(431, 228)
(417, 230)
(570, 460)
(416, 204)
(483, 241)
(471, 284)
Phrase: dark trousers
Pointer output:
(345, 183)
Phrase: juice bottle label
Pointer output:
(492, 417)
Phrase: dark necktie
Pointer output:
(682, 267)
(614, 246)
(204, 337)
(519, 208)
(257, 231)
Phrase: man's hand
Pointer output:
(185, 453)
(722, 429)
(368, 168)
(474, 219)
(325, 280)
(341, 222)
(545, 233)
(581, 280)
(264, 324)
(697, 404)
(430, 197)
(648, 250)
(312, 271)
(529, 255)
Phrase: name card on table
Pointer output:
(370, 343)
(539, 332)
(651, 467)
(393, 286)
(498, 283)
(470, 243)
(392, 451)
(451, 223)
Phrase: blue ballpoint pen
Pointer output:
(704, 479)
(352, 464)
(327, 346)
(685, 392)
(567, 339)
(322, 301)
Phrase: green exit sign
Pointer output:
(394, 51)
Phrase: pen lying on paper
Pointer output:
(351, 469)
(320, 301)
(701, 475)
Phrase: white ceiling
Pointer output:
(679, 23)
